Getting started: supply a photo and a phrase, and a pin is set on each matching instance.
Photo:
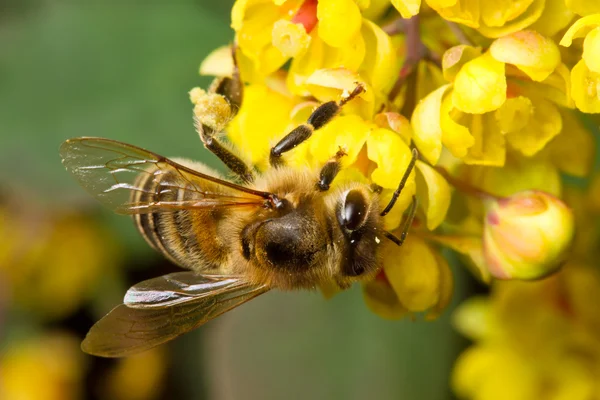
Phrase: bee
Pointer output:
(285, 229)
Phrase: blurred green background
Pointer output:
(122, 70)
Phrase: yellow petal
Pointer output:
(464, 12)
(591, 50)
(392, 155)
(544, 124)
(557, 87)
(331, 84)
(289, 38)
(529, 51)
(519, 174)
(580, 28)
(253, 21)
(427, 130)
(494, 373)
(407, 8)
(339, 21)
(434, 194)
(480, 86)
(471, 247)
(455, 57)
(265, 128)
(555, 17)
(573, 150)
(429, 78)
(381, 299)
(446, 288)
(490, 145)
(348, 132)
(497, 13)
(583, 7)
(380, 65)
(585, 88)
(395, 122)
(532, 14)
(394, 218)
(375, 9)
(472, 318)
(413, 273)
(218, 63)
(514, 114)
(455, 137)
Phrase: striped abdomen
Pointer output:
(189, 238)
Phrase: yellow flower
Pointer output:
(532, 340)
(494, 113)
(415, 278)
(585, 75)
(137, 377)
(50, 367)
(491, 18)
(529, 51)
(480, 85)
(53, 265)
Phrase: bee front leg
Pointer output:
(319, 118)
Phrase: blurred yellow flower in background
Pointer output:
(52, 261)
(533, 340)
(45, 368)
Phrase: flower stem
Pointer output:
(415, 51)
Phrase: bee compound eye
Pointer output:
(354, 212)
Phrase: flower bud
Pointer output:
(526, 235)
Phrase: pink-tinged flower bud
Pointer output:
(526, 235)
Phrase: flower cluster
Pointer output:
(488, 92)
(533, 340)
(539, 339)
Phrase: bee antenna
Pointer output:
(411, 164)
(405, 225)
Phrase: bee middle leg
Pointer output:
(319, 118)
(232, 89)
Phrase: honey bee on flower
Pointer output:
(346, 125)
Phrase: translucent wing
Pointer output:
(180, 287)
(118, 174)
(125, 330)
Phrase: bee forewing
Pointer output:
(181, 287)
(113, 172)
(126, 331)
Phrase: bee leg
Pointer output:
(232, 88)
(406, 224)
(319, 117)
(232, 161)
(330, 171)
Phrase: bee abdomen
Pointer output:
(170, 232)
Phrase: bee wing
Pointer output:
(110, 171)
(180, 287)
(126, 331)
